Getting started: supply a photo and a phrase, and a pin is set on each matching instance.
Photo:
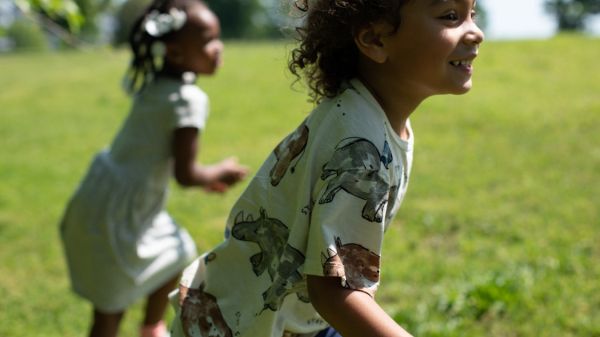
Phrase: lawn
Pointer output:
(498, 236)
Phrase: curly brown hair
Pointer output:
(327, 55)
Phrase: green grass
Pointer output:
(498, 235)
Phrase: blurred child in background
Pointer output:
(302, 252)
(120, 243)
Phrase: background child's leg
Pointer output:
(329, 332)
(105, 325)
(157, 302)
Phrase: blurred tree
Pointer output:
(125, 18)
(90, 9)
(571, 14)
(235, 15)
(65, 10)
(74, 16)
(26, 36)
(60, 18)
(244, 18)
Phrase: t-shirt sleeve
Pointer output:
(190, 107)
(347, 220)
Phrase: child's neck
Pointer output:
(171, 71)
(397, 107)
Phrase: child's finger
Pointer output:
(216, 186)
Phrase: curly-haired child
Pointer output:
(120, 243)
(303, 243)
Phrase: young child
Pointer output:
(119, 241)
(303, 242)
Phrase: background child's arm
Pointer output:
(188, 172)
(352, 313)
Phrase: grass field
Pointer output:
(499, 234)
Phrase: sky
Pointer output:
(510, 19)
(522, 19)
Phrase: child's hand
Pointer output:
(225, 174)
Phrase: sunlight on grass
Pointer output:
(498, 235)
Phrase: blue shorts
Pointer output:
(329, 332)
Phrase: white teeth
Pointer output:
(461, 63)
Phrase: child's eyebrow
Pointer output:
(440, 2)
(435, 3)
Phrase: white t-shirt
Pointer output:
(319, 205)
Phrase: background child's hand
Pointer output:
(225, 174)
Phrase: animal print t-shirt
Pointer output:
(319, 205)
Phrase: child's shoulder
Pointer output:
(192, 93)
(352, 107)
(176, 91)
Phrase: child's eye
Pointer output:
(450, 16)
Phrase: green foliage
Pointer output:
(90, 9)
(235, 15)
(497, 237)
(27, 36)
(244, 18)
(67, 10)
(76, 16)
(571, 14)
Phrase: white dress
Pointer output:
(319, 205)
(120, 243)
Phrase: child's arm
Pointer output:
(352, 313)
(187, 172)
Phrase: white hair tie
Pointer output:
(159, 24)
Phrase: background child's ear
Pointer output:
(369, 42)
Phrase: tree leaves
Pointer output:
(66, 9)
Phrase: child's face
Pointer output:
(199, 47)
(434, 46)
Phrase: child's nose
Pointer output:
(474, 34)
(219, 46)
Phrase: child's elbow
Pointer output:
(184, 179)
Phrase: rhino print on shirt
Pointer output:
(269, 234)
(288, 280)
(200, 314)
(355, 264)
(289, 148)
(354, 167)
(276, 256)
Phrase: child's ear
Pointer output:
(369, 42)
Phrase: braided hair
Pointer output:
(327, 55)
(147, 46)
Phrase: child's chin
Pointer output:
(209, 72)
(463, 89)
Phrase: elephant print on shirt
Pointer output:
(355, 168)
(290, 148)
(200, 314)
(354, 263)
